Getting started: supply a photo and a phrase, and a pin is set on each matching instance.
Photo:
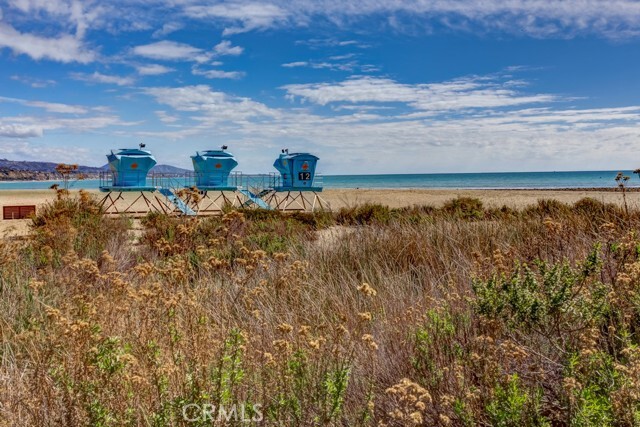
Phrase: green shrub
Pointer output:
(75, 224)
(545, 295)
(547, 208)
(514, 406)
(364, 214)
(464, 207)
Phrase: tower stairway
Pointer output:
(254, 198)
(177, 202)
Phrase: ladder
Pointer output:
(178, 203)
(254, 198)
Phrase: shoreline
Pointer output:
(631, 189)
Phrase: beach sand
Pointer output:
(491, 198)
(338, 198)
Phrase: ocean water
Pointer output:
(494, 180)
(497, 180)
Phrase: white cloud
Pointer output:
(27, 150)
(50, 6)
(51, 107)
(226, 48)
(19, 131)
(68, 124)
(63, 13)
(166, 118)
(54, 107)
(536, 18)
(34, 82)
(467, 124)
(210, 105)
(295, 64)
(171, 51)
(152, 69)
(334, 65)
(167, 28)
(330, 42)
(97, 77)
(342, 57)
(217, 74)
(64, 48)
(472, 92)
(250, 15)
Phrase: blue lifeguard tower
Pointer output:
(297, 171)
(298, 185)
(212, 169)
(211, 176)
(129, 173)
(129, 169)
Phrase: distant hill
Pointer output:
(17, 170)
(50, 167)
(169, 169)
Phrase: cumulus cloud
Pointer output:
(167, 28)
(19, 131)
(164, 117)
(63, 48)
(217, 74)
(152, 69)
(210, 105)
(97, 77)
(296, 64)
(63, 13)
(317, 43)
(537, 18)
(55, 107)
(248, 15)
(70, 124)
(466, 124)
(33, 81)
(335, 63)
(51, 107)
(226, 48)
(459, 94)
(171, 51)
(28, 150)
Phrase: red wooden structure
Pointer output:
(18, 212)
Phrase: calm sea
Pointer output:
(514, 180)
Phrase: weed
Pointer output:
(460, 315)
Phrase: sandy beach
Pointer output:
(338, 198)
(493, 198)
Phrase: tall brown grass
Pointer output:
(421, 316)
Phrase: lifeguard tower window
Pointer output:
(304, 176)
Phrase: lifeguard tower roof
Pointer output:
(129, 168)
(297, 171)
(212, 169)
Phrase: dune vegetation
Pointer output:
(451, 316)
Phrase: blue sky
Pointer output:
(369, 86)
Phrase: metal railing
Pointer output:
(259, 183)
(140, 179)
(256, 183)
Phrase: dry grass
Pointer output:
(459, 315)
